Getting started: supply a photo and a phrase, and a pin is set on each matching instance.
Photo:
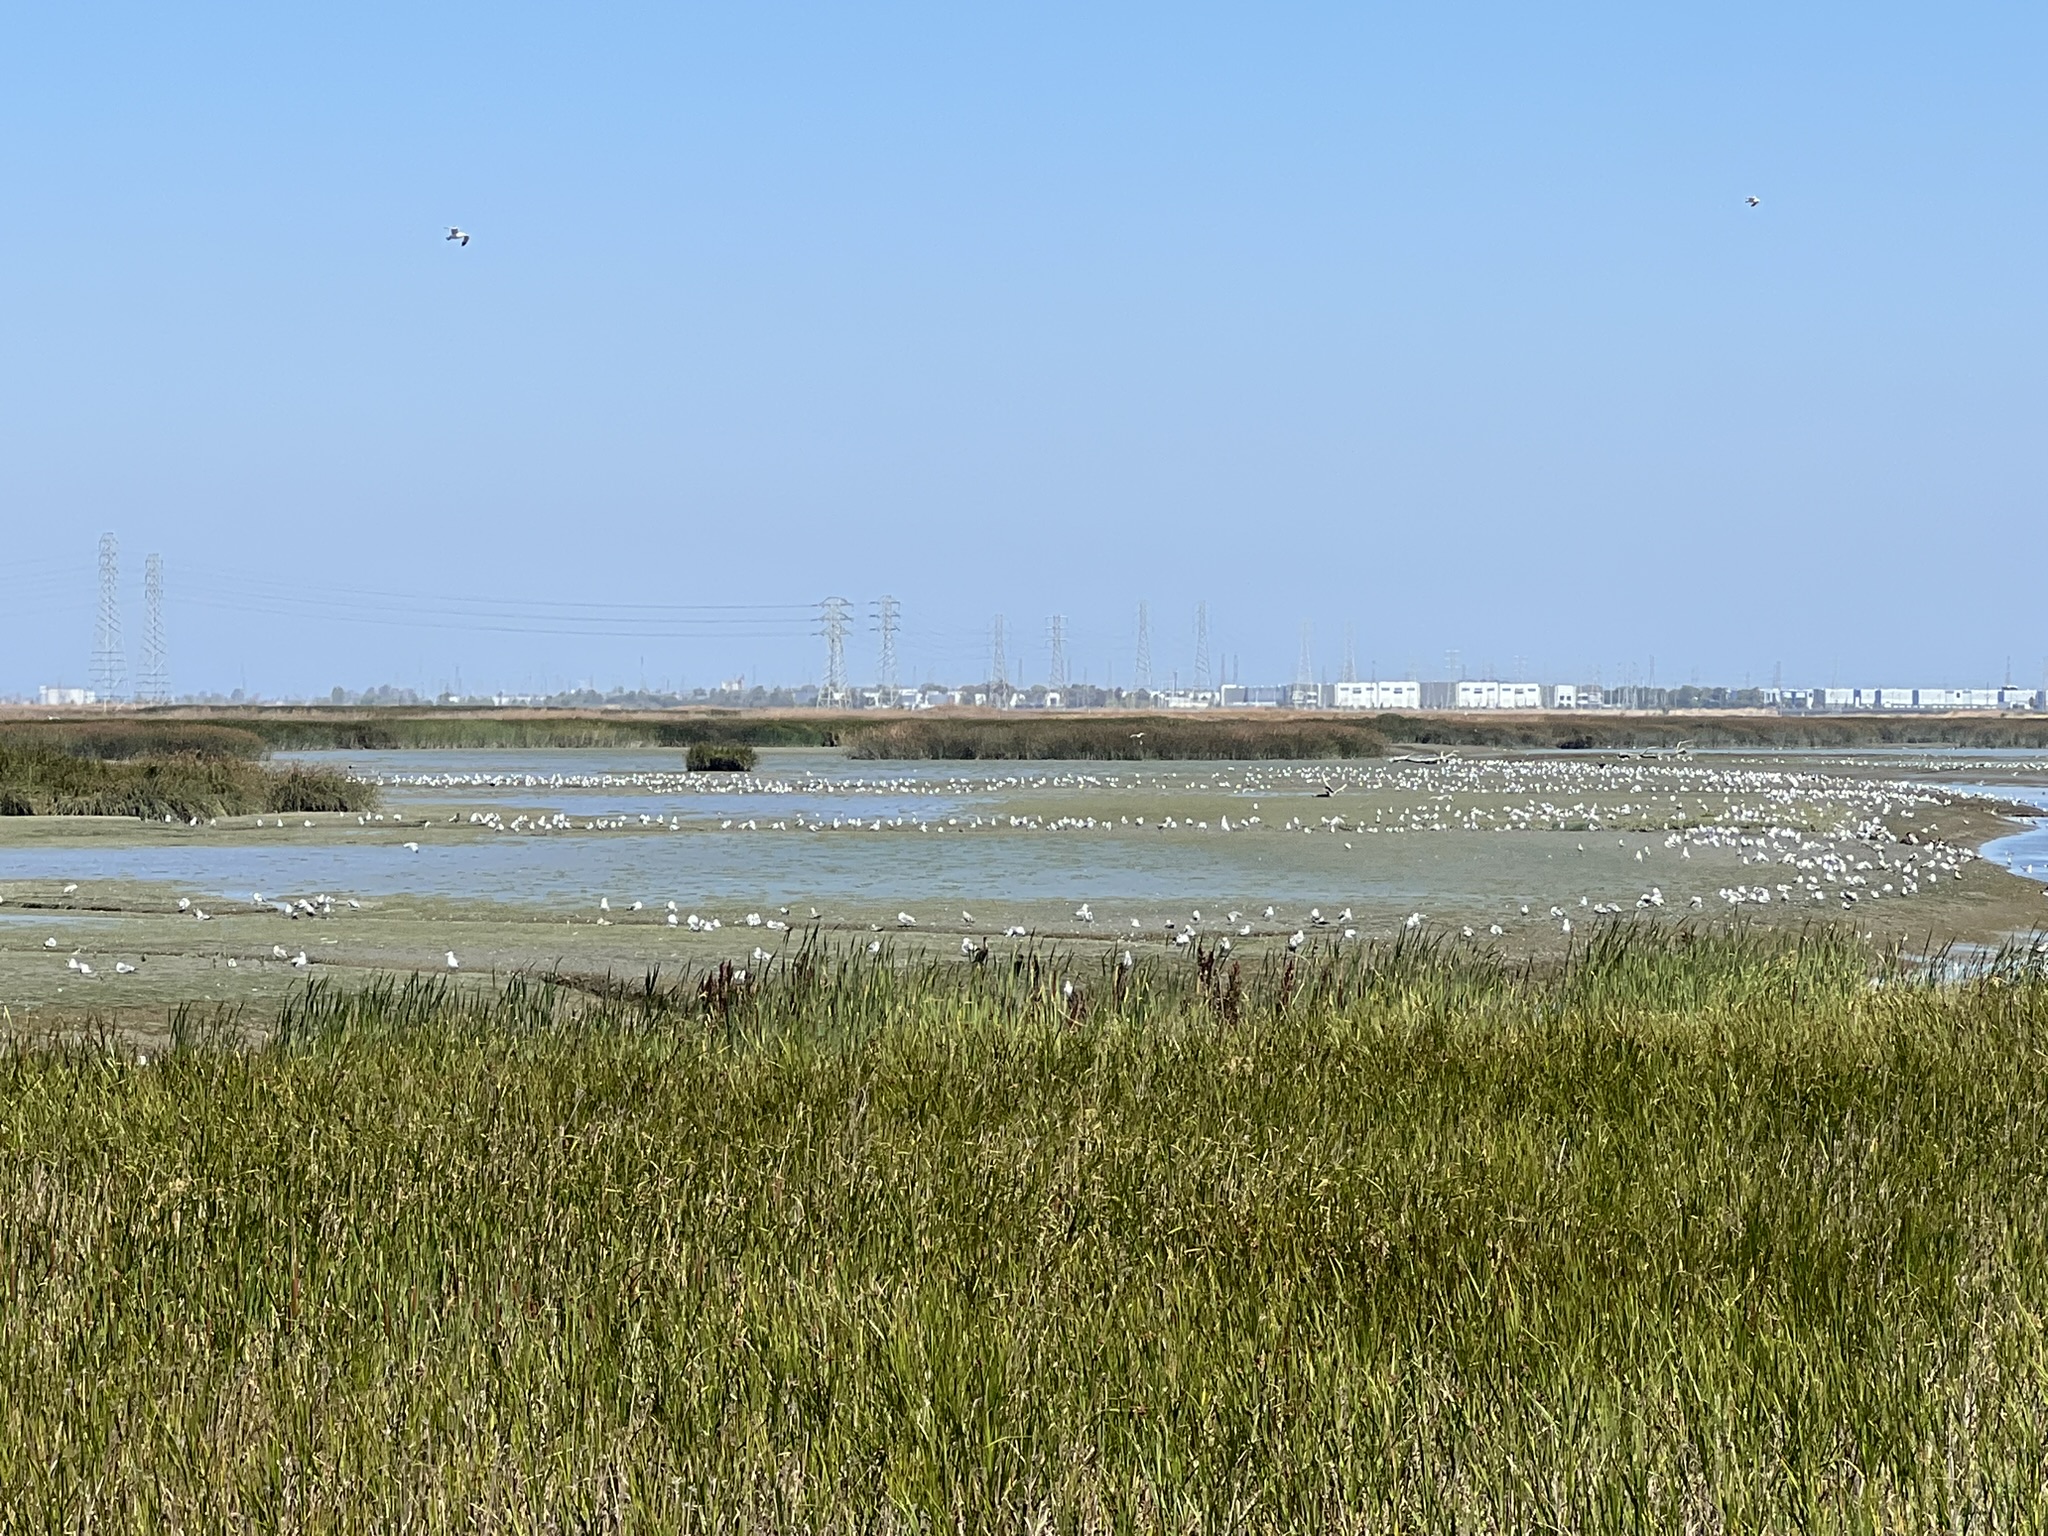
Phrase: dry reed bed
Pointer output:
(1693, 1233)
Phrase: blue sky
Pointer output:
(1444, 325)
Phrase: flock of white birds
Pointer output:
(1804, 836)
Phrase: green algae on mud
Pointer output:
(1687, 1232)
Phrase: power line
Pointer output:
(649, 621)
(154, 685)
(371, 600)
(835, 616)
(109, 667)
(887, 611)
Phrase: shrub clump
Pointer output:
(722, 757)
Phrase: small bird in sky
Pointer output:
(461, 236)
(1754, 202)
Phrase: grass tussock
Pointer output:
(1116, 738)
(1690, 1234)
(44, 781)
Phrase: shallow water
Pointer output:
(2024, 853)
(1420, 838)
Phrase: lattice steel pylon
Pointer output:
(1305, 668)
(887, 612)
(153, 685)
(1201, 645)
(835, 617)
(1141, 679)
(109, 666)
(1056, 634)
(998, 662)
(1350, 674)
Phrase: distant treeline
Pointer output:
(1608, 732)
(1117, 738)
(1089, 735)
(382, 730)
(125, 738)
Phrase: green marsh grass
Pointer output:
(1705, 1232)
(41, 780)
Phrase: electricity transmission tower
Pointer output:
(887, 612)
(999, 665)
(153, 686)
(109, 669)
(1201, 645)
(1304, 669)
(1141, 680)
(1056, 628)
(1350, 656)
(835, 617)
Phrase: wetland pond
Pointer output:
(477, 851)
(1472, 835)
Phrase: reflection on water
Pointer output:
(2024, 853)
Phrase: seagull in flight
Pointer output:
(461, 236)
(1754, 202)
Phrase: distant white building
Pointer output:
(49, 695)
(1563, 696)
(1378, 695)
(1187, 698)
(1491, 695)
